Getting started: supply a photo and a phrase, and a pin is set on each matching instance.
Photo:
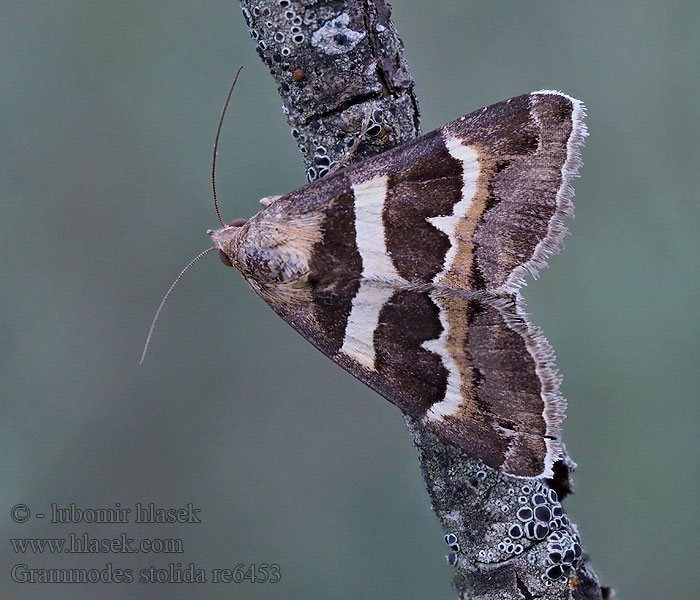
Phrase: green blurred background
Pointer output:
(107, 121)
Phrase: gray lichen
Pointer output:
(335, 37)
(336, 62)
(508, 537)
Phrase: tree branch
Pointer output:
(336, 61)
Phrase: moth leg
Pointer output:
(348, 155)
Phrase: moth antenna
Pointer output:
(165, 299)
(358, 140)
(216, 146)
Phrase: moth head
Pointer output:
(227, 241)
(272, 249)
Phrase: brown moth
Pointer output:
(405, 268)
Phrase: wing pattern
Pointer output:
(413, 276)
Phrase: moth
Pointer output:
(405, 270)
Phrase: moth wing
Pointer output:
(469, 368)
(414, 277)
(528, 151)
(478, 203)
(473, 205)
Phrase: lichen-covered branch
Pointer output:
(337, 63)
(509, 537)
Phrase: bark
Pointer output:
(337, 63)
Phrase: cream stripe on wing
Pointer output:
(358, 342)
(442, 346)
(377, 267)
(450, 346)
(370, 236)
(469, 159)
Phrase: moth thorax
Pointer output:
(276, 265)
(275, 253)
